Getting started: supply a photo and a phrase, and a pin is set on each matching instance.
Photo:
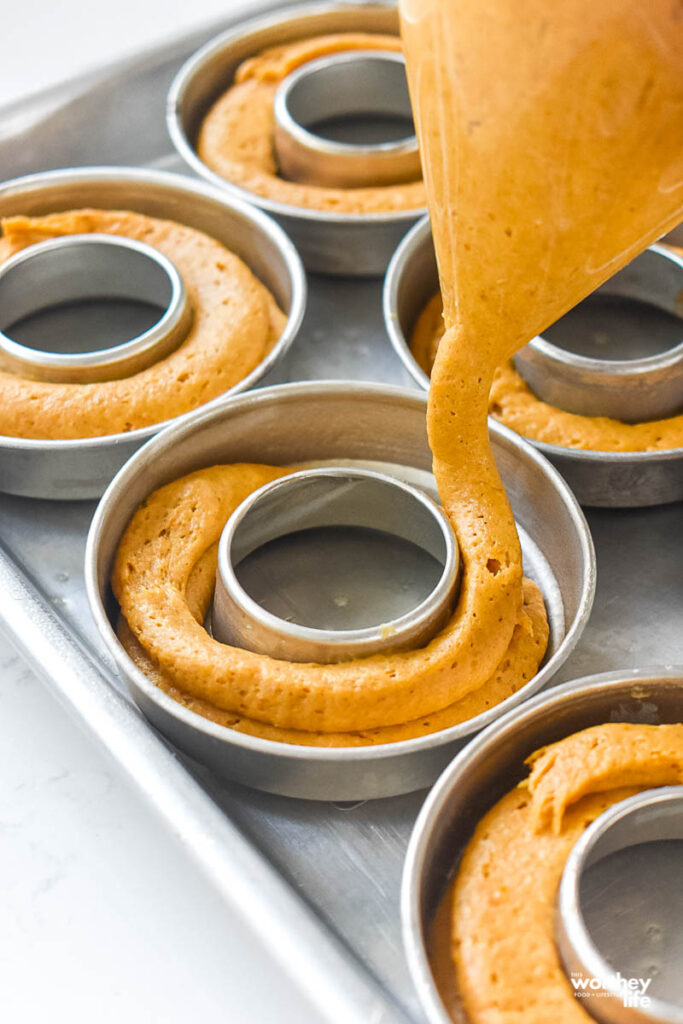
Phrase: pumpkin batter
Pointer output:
(500, 911)
(512, 402)
(236, 136)
(235, 324)
(163, 578)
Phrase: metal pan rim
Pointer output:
(430, 812)
(187, 151)
(254, 216)
(291, 392)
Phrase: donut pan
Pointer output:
(602, 479)
(626, 928)
(372, 426)
(329, 242)
(83, 468)
(318, 882)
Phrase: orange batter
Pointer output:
(163, 578)
(236, 136)
(235, 324)
(512, 402)
(502, 905)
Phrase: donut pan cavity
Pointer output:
(488, 768)
(71, 469)
(329, 242)
(357, 425)
(598, 478)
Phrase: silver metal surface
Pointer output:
(82, 468)
(342, 498)
(633, 390)
(340, 988)
(357, 245)
(81, 268)
(342, 940)
(348, 424)
(650, 817)
(342, 86)
(412, 279)
(488, 767)
(600, 479)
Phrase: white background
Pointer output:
(103, 918)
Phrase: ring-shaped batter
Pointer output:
(494, 935)
(236, 136)
(235, 324)
(163, 575)
(513, 403)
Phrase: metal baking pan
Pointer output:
(318, 882)
(371, 426)
(488, 768)
(601, 479)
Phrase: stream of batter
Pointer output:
(552, 150)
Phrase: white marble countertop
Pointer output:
(103, 916)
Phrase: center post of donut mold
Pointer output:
(330, 564)
(345, 121)
(90, 307)
(639, 840)
(619, 353)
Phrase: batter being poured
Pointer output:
(551, 142)
(549, 153)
